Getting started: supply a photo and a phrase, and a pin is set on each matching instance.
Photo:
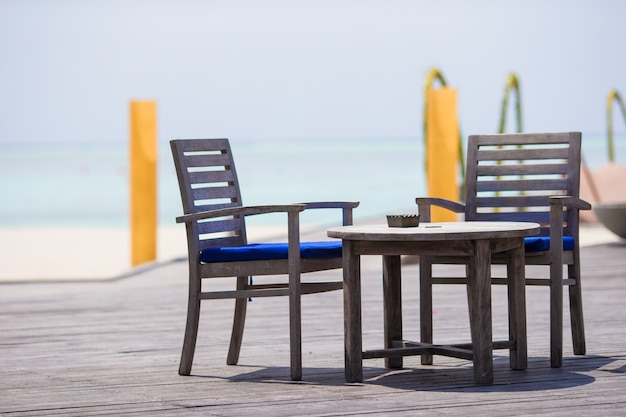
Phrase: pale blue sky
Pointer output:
(301, 69)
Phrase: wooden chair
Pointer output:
(217, 245)
(523, 177)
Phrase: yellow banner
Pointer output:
(143, 182)
(442, 149)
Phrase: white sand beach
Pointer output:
(97, 253)
(34, 254)
(61, 254)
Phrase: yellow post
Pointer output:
(442, 149)
(143, 181)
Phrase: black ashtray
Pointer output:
(403, 220)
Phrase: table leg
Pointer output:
(479, 302)
(516, 272)
(392, 300)
(426, 306)
(352, 314)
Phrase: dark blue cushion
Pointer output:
(265, 251)
(536, 244)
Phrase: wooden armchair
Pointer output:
(523, 177)
(217, 246)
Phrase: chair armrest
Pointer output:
(424, 204)
(556, 221)
(566, 200)
(331, 204)
(345, 206)
(293, 223)
(240, 211)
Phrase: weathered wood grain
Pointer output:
(112, 348)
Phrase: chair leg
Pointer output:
(426, 306)
(239, 320)
(191, 328)
(556, 315)
(295, 324)
(295, 292)
(518, 355)
(576, 311)
(295, 334)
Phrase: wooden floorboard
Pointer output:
(112, 348)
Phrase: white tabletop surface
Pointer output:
(436, 231)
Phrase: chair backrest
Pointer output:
(510, 176)
(208, 181)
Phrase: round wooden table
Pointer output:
(475, 240)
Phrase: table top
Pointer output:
(436, 231)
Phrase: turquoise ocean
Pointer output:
(86, 185)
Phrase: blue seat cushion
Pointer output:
(540, 243)
(267, 251)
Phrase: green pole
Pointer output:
(613, 96)
(512, 83)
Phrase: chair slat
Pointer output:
(528, 138)
(211, 160)
(525, 184)
(513, 201)
(202, 145)
(212, 206)
(219, 226)
(207, 177)
(503, 216)
(521, 169)
(519, 154)
(222, 242)
(207, 193)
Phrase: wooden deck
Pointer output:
(112, 348)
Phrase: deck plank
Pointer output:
(112, 348)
